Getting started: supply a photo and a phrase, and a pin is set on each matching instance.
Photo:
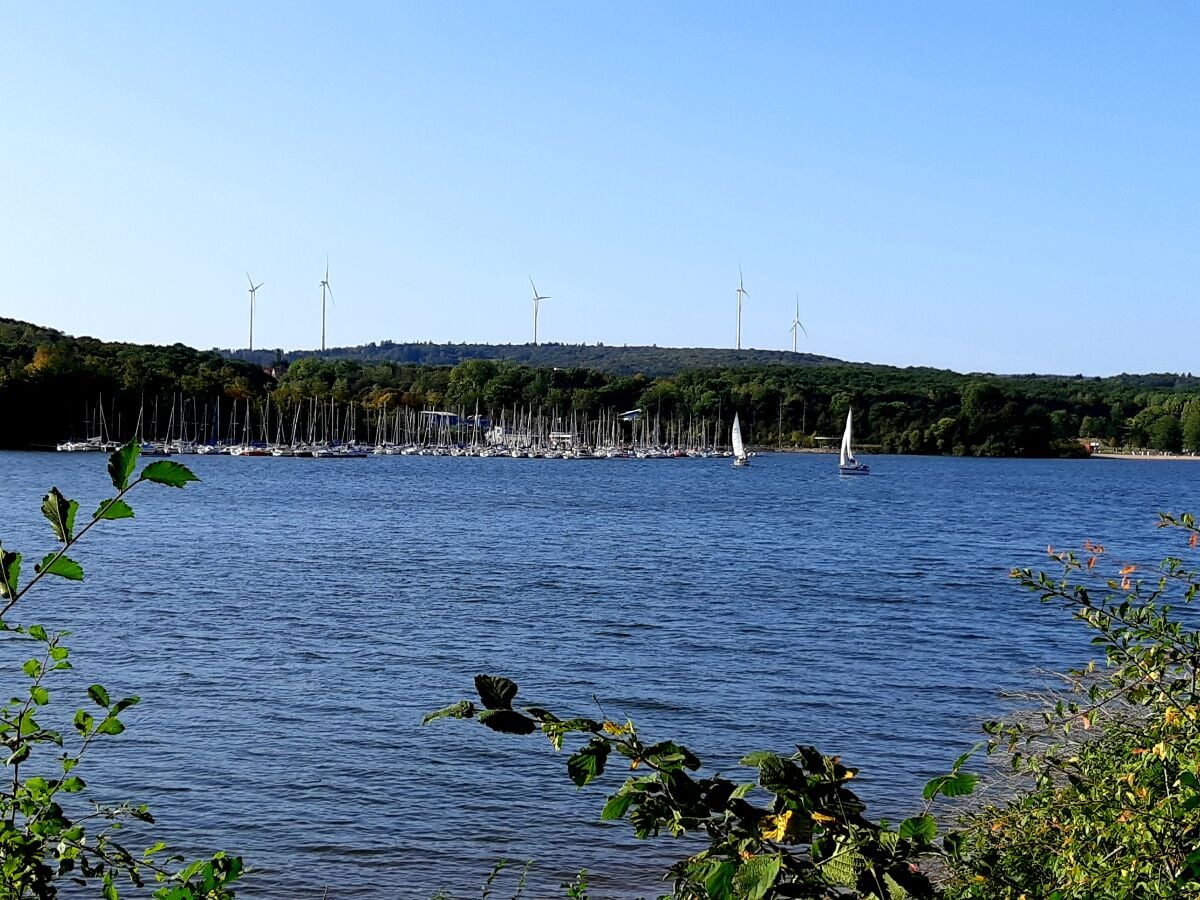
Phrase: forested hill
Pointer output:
(616, 360)
(54, 387)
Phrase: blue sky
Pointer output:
(984, 186)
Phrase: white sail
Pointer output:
(739, 449)
(846, 458)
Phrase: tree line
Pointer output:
(51, 385)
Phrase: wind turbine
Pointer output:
(797, 324)
(253, 287)
(537, 301)
(325, 287)
(741, 292)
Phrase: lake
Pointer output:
(287, 622)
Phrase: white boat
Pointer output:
(740, 457)
(847, 464)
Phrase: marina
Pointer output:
(328, 431)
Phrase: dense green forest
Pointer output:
(616, 360)
(914, 410)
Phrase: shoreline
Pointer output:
(1149, 456)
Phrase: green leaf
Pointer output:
(718, 885)
(113, 509)
(756, 758)
(167, 472)
(37, 632)
(83, 721)
(669, 756)
(842, 867)
(919, 828)
(756, 877)
(10, 572)
(961, 761)
(464, 709)
(774, 773)
(495, 691)
(73, 785)
(99, 695)
(62, 566)
(60, 513)
(110, 726)
(960, 785)
(588, 764)
(507, 721)
(39, 695)
(617, 805)
(957, 785)
(121, 465)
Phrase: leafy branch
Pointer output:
(806, 836)
(40, 843)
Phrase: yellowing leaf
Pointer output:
(774, 828)
(822, 818)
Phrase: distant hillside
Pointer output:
(614, 360)
(55, 386)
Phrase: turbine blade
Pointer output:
(802, 328)
(249, 279)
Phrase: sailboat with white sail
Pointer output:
(740, 457)
(847, 464)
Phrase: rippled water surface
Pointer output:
(288, 621)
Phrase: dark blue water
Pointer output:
(287, 622)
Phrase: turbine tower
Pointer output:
(797, 324)
(324, 288)
(741, 292)
(253, 287)
(537, 301)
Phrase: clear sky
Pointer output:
(1007, 187)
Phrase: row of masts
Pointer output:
(261, 428)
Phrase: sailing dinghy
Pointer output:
(740, 457)
(847, 464)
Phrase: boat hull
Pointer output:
(854, 470)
